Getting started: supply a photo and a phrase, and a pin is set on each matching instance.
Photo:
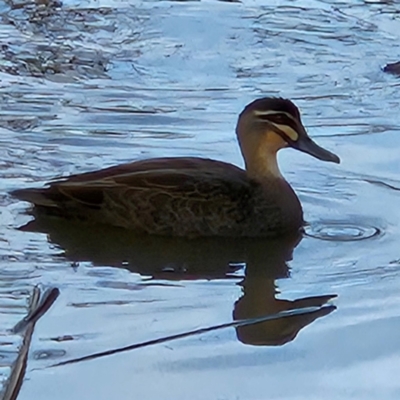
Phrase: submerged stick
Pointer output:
(38, 305)
(234, 324)
(43, 304)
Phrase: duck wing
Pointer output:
(158, 164)
(181, 197)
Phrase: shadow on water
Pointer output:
(253, 264)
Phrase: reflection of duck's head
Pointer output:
(267, 125)
(259, 298)
(259, 301)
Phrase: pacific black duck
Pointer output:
(193, 197)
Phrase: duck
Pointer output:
(195, 197)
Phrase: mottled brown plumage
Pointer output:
(195, 196)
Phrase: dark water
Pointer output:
(90, 84)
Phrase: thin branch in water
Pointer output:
(234, 324)
(39, 304)
(46, 301)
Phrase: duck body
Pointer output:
(193, 197)
(187, 197)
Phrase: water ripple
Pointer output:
(341, 231)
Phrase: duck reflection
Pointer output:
(259, 300)
(258, 263)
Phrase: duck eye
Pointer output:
(278, 118)
(287, 126)
(274, 117)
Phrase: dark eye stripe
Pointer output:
(281, 119)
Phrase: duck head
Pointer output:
(267, 125)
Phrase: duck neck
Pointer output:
(263, 165)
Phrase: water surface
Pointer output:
(84, 85)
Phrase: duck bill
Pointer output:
(307, 145)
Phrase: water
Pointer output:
(90, 84)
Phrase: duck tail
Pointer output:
(39, 197)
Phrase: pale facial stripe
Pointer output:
(260, 113)
(289, 132)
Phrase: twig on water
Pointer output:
(39, 304)
(237, 323)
